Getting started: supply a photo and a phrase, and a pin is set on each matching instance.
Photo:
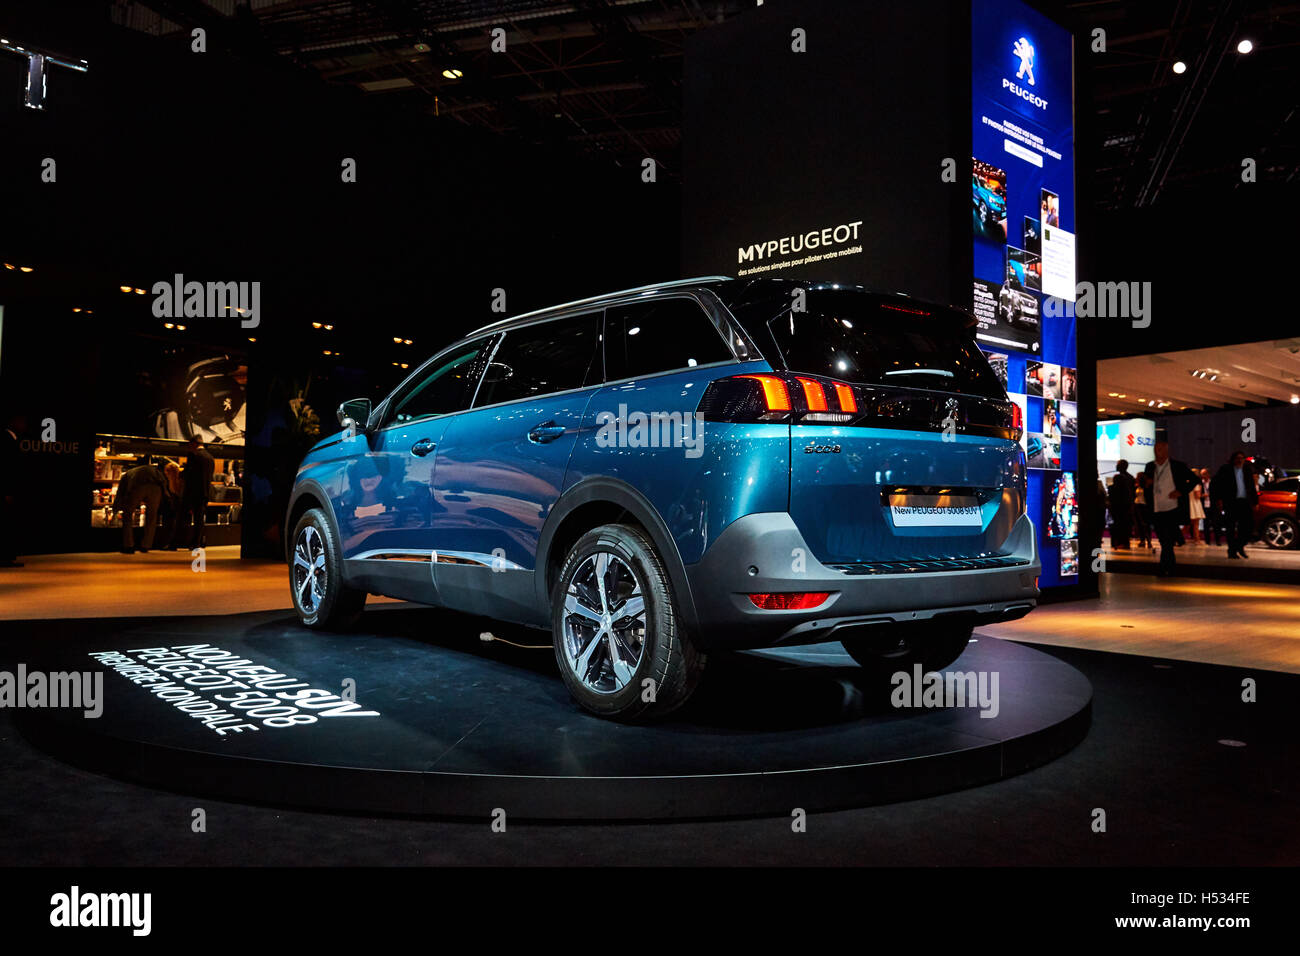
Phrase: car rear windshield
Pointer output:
(873, 340)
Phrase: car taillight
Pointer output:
(776, 397)
(1017, 421)
(813, 394)
(790, 601)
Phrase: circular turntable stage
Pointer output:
(462, 727)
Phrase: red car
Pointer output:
(1276, 521)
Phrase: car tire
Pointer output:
(932, 644)
(604, 574)
(320, 597)
(1279, 532)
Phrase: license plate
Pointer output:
(934, 511)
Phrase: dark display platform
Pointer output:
(466, 727)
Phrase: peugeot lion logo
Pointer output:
(1025, 50)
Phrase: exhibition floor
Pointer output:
(1185, 772)
(1242, 624)
(1198, 559)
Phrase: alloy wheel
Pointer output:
(1279, 533)
(309, 569)
(604, 623)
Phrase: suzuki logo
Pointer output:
(1130, 439)
(1025, 51)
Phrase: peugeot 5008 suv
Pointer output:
(660, 473)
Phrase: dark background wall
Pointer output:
(228, 168)
(1207, 439)
(777, 143)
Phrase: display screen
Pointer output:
(1063, 519)
(1022, 232)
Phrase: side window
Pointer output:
(447, 387)
(544, 358)
(659, 336)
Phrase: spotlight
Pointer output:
(329, 328)
(315, 325)
(169, 325)
(139, 291)
(1295, 399)
(124, 288)
(180, 328)
(10, 265)
(24, 268)
(1245, 46)
(451, 73)
(252, 338)
(397, 340)
(407, 342)
(1180, 67)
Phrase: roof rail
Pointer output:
(676, 283)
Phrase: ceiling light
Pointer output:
(397, 340)
(315, 325)
(1245, 46)
(1295, 399)
(169, 325)
(24, 268)
(1180, 67)
(180, 328)
(139, 291)
(10, 265)
(451, 73)
(252, 338)
(124, 288)
(329, 328)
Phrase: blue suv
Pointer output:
(657, 474)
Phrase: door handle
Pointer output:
(423, 447)
(546, 431)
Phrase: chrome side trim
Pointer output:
(395, 554)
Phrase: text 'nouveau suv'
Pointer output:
(695, 466)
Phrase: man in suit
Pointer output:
(1121, 507)
(1169, 482)
(1235, 492)
(196, 477)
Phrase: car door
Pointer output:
(501, 465)
(387, 509)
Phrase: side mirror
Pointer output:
(497, 372)
(354, 415)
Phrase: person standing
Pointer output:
(1195, 509)
(196, 477)
(1122, 493)
(10, 474)
(1213, 516)
(1142, 510)
(143, 484)
(1169, 483)
(1234, 490)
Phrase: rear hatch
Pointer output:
(904, 447)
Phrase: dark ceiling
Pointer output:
(604, 76)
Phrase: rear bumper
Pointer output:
(766, 553)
